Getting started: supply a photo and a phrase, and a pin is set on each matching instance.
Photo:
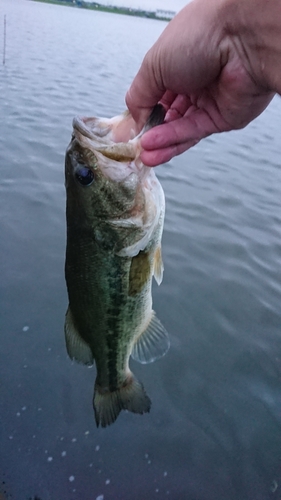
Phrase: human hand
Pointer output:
(203, 71)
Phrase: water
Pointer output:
(214, 429)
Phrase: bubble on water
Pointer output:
(63, 453)
(274, 486)
(107, 481)
(90, 465)
(86, 433)
(149, 461)
(18, 414)
(146, 455)
(50, 459)
(73, 440)
(11, 437)
(23, 408)
(100, 497)
(71, 478)
(157, 490)
(165, 474)
(25, 328)
(97, 447)
(39, 409)
(25, 366)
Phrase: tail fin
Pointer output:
(131, 397)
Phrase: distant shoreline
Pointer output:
(103, 8)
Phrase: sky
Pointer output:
(174, 5)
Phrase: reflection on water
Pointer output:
(214, 429)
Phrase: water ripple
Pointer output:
(215, 418)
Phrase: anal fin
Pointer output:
(152, 344)
(76, 347)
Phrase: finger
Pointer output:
(194, 127)
(160, 156)
(168, 99)
(145, 91)
(139, 112)
(178, 108)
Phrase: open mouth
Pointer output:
(115, 138)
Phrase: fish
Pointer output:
(115, 209)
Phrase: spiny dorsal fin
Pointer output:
(152, 344)
(76, 347)
(158, 266)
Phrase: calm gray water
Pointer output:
(214, 431)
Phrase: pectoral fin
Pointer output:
(158, 266)
(152, 344)
(76, 347)
(140, 272)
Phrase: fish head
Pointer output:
(92, 188)
(107, 185)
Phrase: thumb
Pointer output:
(145, 90)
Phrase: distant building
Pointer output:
(167, 14)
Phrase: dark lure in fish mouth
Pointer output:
(156, 117)
(115, 216)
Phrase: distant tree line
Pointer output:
(108, 8)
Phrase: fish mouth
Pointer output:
(114, 138)
(121, 128)
(90, 127)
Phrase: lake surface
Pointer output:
(214, 430)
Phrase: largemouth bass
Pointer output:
(115, 214)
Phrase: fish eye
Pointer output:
(84, 175)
